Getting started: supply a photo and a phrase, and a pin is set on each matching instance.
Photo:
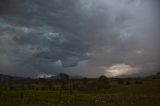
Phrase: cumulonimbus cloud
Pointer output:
(38, 36)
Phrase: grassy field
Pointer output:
(146, 94)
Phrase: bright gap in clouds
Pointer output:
(44, 75)
(121, 70)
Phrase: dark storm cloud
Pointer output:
(47, 36)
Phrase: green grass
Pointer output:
(146, 94)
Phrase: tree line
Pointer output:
(63, 82)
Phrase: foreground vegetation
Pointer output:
(82, 92)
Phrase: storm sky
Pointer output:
(79, 37)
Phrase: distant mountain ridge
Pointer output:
(71, 77)
(2, 76)
(7, 77)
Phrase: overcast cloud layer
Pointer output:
(79, 37)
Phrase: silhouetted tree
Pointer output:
(103, 82)
(64, 79)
